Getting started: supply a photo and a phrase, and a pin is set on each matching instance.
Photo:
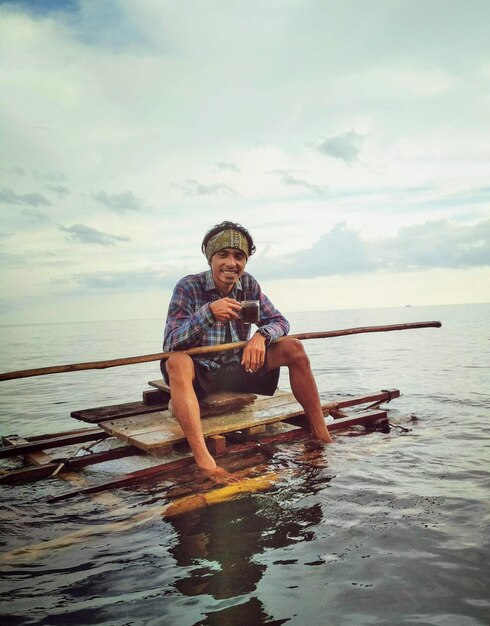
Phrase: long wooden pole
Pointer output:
(98, 365)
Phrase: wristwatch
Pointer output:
(265, 333)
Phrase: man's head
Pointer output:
(227, 235)
(227, 247)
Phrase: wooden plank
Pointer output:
(62, 433)
(160, 384)
(38, 457)
(162, 428)
(51, 442)
(67, 475)
(254, 430)
(155, 396)
(225, 402)
(362, 418)
(129, 479)
(214, 403)
(216, 444)
(383, 396)
(46, 470)
(153, 431)
(101, 413)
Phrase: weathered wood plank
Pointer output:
(225, 402)
(101, 413)
(158, 429)
(216, 444)
(46, 470)
(155, 396)
(20, 449)
(160, 384)
(214, 403)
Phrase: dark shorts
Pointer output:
(263, 382)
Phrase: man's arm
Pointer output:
(186, 320)
(272, 325)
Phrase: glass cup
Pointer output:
(250, 312)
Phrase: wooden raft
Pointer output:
(158, 431)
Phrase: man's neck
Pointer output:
(223, 290)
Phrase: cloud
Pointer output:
(8, 196)
(191, 188)
(346, 146)
(17, 170)
(438, 244)
(120, 202)
(87, 234)
(52, 176)
(132, 280)
(35, 216)
(230, 167)
(59, 189)
(287, 179)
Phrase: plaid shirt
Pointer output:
(190, 321)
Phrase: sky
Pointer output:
(351, 138)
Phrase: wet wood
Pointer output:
(45, 466)
(152, 432)
(51, 442)
(360, 419)
(221, 494)
(128, 479)
(217, 402)
(156, 430)
(75, 367)
(156, 396)
(227, 442)
(216, 444)
(101, 413)
(36, 457)
(40, 458)
(158, 471)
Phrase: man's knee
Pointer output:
(180, 366)
(294, 352)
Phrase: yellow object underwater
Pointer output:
(200, 500)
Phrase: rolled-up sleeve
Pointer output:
(271, 320)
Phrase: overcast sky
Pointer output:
(352, 138)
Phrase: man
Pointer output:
(205, 310)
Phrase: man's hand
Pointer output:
(225, 309)
(254, 353)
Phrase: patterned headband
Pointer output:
(227, 239)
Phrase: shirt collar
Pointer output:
(210, 286)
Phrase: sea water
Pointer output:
(379, 528)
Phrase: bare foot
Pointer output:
(323, 437)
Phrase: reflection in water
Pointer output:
(218, 547)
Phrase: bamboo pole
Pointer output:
(93, 365)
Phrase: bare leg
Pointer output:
(180, 368)
(290, 352)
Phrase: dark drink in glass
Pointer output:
(250, 313)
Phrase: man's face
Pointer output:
(227, 266)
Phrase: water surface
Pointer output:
(382, 528)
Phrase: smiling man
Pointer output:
(205, 310)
